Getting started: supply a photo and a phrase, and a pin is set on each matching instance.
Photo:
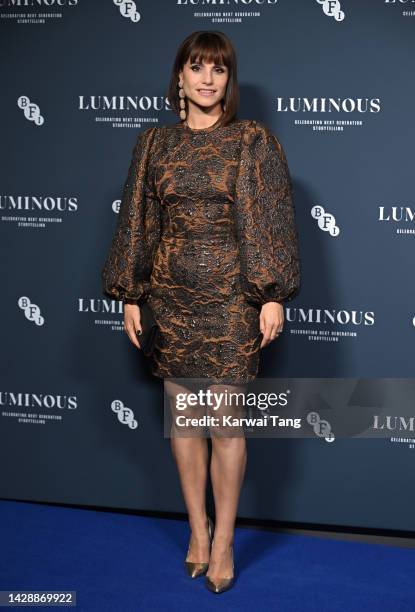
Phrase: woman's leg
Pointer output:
(190, 451)
(227, 470)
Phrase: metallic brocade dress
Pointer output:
(206, 233)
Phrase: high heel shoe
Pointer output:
(222, 584)
(193, 568)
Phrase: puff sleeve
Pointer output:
(127, 269)
(265, 219)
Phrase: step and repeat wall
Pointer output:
(81, 417)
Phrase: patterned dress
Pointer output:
(206, 233)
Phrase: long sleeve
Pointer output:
(265, 219)
(127, 269)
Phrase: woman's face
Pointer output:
(204, 84)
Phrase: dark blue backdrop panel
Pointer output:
(80, 79)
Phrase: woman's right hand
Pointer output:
(132, 322)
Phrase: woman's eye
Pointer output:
(197, 67)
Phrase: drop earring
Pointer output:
(182, 102)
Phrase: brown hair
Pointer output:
(212, 46)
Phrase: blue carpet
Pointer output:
(120, 563)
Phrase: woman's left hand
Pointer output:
(271, 321)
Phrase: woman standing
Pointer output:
(206, 234)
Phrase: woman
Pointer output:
(206, 234)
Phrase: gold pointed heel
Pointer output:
(222, 584)
(193, 568)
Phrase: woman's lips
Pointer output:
(206, 92)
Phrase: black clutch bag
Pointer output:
(150, 329)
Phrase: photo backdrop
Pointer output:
(81, 417)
